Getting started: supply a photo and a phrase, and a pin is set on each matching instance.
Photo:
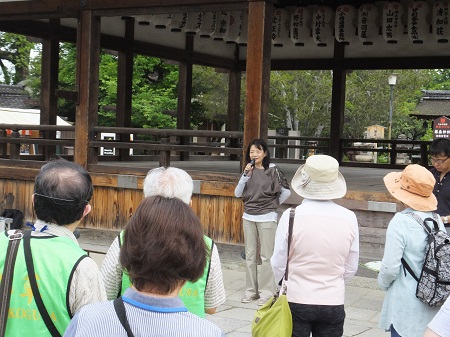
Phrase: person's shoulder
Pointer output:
(205, 325)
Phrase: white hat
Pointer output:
(319, 178)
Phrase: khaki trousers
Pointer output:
(260, 283)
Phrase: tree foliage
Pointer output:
(14, 57)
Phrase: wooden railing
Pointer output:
(164, 145)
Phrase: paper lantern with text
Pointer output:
(322, 25)
(161, 21)
(345, 24)
(208, 24)
(193, 23)
(300, 25)
(243, 31)
(178, 22)
(441, 21)
(418, 21)
(392, 22)
(280, 27)
(235, 26)
(143, 20)
(368, 16)
(222, 25)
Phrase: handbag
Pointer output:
(274, 318)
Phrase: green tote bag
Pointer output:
(274, 318)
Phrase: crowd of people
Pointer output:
(163, 275)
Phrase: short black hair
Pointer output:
(440, 146)
(62, 190)
(260, 144)
(163, 246)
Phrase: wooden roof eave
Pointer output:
(45, 9)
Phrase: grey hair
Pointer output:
(169, 182)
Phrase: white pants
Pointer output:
(262, 283)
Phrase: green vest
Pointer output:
(192, 294)
(54, 259)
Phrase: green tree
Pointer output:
(16, 50)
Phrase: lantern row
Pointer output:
(297, 25)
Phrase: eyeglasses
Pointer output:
(437, 161)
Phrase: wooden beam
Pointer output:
(88, 58)
(49, 84)
(337, 102)
(136, 4)
(258, 71)
(17, 10)
(185, 94)
(125, 86)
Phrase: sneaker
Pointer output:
(249, 298)
(262, 301)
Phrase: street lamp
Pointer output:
(392, 80)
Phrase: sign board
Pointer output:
(107, 151)
(283, 131)
(441, 127)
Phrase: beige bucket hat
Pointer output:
(319, 178)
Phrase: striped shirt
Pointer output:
(147, 316)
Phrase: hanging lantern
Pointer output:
(392, 22)
(235, 26)
(208, 24)
(193, 23)
(280, 27)
(367, 23)
(178, 22)
(161, 21)
(441, 21)
(300, 24)
(322, 25)
(418, 24)
(243, 31)
(143, 20)
(222, 25)
(345, 24)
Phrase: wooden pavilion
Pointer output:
(272, 35)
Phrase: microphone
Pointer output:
(252, 164)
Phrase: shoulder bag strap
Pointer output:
(119, 307)
(34, 287)
(7, 278)
(291, 225)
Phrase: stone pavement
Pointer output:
(363, 301)
(362, 304)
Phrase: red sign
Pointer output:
(441, 127)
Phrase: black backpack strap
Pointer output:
(7, 279)
(119, 307)
(34, 287)
(291, 226)
(408, 268)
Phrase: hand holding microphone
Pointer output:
(247, 168)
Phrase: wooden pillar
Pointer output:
(337, 103)
(88, 57)
(258, 71)
(125, 86)
(49, 85)
(185, 94)
(234, 102)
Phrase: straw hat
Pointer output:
(319, 178)
(413, 187)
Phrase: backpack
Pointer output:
(16, 216)
(433, 285)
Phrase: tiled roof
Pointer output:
(14, 96)
(433, 104)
